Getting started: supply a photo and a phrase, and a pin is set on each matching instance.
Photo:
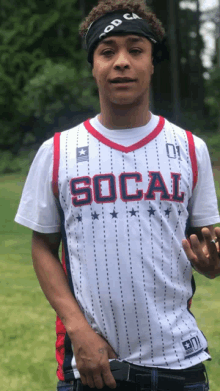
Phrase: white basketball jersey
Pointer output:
(124, 214)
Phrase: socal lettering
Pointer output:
(98, 180)
(176, 183)
(81, 191)
(103, 188)
(157, 185)
(123, 180)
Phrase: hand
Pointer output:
(204, 257)
(92, 354)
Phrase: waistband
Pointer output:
(166, 378)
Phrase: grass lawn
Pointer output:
(27, 331)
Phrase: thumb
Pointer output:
(111, 353)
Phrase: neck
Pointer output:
(123, 117)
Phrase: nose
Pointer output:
(122, 61)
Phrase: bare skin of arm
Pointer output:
(204, 254)
(91, 351)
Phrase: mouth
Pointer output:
(122, 80)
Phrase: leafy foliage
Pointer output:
(45, 81)
(213, 96)
(41, 67)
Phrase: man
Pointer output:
(120, 189)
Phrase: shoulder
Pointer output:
(73, 130)
(48, 145)
(198, 141)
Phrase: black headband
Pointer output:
(114, 23)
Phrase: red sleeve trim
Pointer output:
(120, 147)
(192, 153)
(56, 164)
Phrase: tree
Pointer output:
(173, 8)
(41, 72)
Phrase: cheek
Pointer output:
(99, 74)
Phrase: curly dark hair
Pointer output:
(138, 7)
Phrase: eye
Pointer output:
(136, 51)
(107, 53)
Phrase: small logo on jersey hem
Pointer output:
(192, 347)
(82, 154)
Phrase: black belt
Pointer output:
(167, 379)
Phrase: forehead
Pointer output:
(124, 40)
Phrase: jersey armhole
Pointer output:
(192, 153)
(56, 164)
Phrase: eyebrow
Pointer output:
(109, 41)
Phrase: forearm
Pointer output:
(55, 286)
(92, 352)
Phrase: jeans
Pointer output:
(149, 379)
(62, 386)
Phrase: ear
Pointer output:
(152, 70)
(93, 73)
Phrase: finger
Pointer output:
(98, 380)
(211, 246)
(189, 252)
(111, 354)
(83, 379)
(197, 248)
(108, 377)
(90, 381)
(217, 233)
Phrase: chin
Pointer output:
(125, 101)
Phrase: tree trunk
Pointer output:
(218, 53)
(172, 36)
(200, 83)
(82, 6)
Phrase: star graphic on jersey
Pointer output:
(82, 152)
(133, 212)
(95, 216)
(79, 218)
(187, 345)
(167, 212)
(114, 214)
(151, 211)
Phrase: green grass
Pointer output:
(27, 331)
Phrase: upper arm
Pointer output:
(39, 208)
(203, 206)
(45, 243)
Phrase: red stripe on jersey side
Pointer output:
(120, 147)
(61, 334)
(60, 348)
(56, 163)
(192, 153)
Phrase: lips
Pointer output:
(120, 80)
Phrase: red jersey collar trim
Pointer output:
(120, 147)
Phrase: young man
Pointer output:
(119, 190)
